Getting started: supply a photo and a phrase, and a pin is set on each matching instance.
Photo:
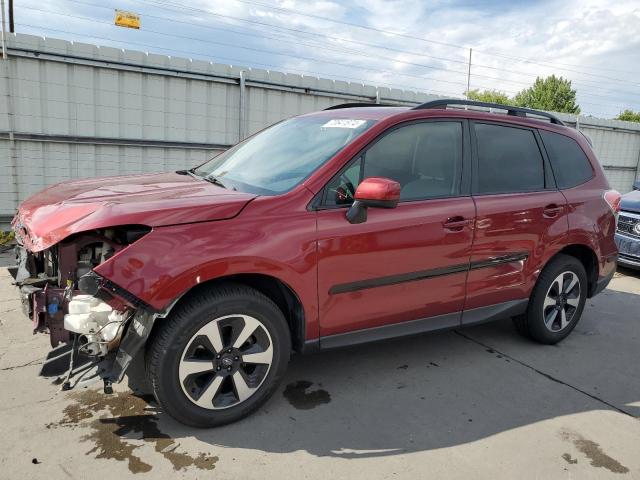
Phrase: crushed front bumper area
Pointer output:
(42, 302)
(81, 370)
(77, 318)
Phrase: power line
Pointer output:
(315, 73)
(386, 32)
(234, 61)
(259, 50)
(326, 48)
(421, 77)
(341, 22)
(323, 36)
(340, 50)
(163, 5)
(190, 52)
(549, 65)
(560, 65)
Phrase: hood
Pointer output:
(151, 199)
(631, 202)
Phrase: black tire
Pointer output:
(164, 354)
(532, 323)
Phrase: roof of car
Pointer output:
(364, 113)
(461, 108)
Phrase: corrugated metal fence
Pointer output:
(70, 110)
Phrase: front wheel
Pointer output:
(557, 301)
(220, 355)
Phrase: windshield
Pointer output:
(280, 157)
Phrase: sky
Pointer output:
(408, 44)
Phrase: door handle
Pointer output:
(552, 210)
(456, 224)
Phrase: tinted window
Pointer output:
(509, 160)
(341, 189)
(425, 158)
(570, 165)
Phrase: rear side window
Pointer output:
(509, 160)
(570, 165)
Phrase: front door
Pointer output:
(403, 264)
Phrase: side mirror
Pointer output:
(375, 192)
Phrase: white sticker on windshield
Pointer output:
(344, 123)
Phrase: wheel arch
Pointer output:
(589, 260)
(283, 295)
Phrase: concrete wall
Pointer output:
(70, 110)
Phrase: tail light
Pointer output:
(613, 197)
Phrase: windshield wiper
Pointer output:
(214, 180)
(191, 172)
(208, 178)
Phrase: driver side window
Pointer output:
(425, 158)
(341, 189)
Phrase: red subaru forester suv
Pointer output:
(354, 224)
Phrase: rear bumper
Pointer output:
(602, 283)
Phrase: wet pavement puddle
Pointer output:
(299, 395)
(590, 449)
(119, 419)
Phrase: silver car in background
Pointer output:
(628, 230)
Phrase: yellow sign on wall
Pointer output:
(127, 19)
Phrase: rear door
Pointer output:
(520, 218)
(402, 264)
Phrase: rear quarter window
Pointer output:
(570, 165)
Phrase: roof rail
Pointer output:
(515, 111)
(358, 104)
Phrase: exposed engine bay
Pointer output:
(88, 319)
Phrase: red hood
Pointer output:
(153, 199)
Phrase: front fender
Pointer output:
(169, 261)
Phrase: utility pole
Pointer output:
(4, 29)
(242, 108)
(11, 27)
(469, 74)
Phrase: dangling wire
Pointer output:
(66, 385)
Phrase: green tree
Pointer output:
(552, 93)
(629, 116)
(491, 96)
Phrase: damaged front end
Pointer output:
(95, 327)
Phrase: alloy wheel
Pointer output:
(561, 301)
(225, 362)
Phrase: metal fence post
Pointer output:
(377, 95)
(469, 76)
(12, 174)
(4, 27)
(241, 116)
(637, 177)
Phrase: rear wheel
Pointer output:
(557, 301)
(220, 355)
